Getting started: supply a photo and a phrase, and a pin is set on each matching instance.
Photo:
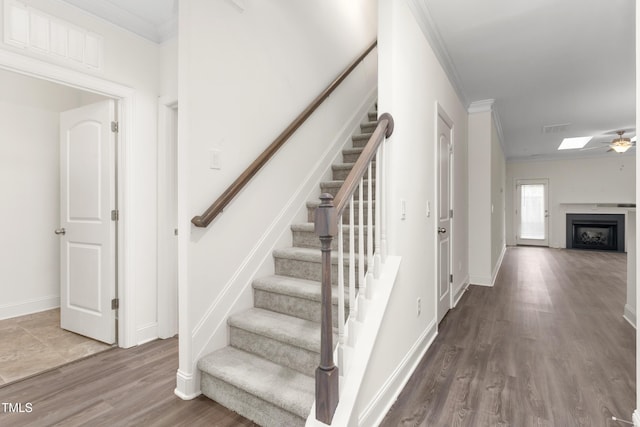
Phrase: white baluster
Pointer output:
(353, 310)
(381, 163)
(377, 259)
(340, 299)
(362, 283)
(370, 225)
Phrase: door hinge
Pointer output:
(450, 213)
(115, 304)
(114, 127)
(115, 215)
(451, 278)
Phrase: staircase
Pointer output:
(266, 374)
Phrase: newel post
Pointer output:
(326, 227)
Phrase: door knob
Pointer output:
(442, 230)
(60, 231)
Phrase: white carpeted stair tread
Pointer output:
(294, 287)
(308, 255)
(273, 383)
(280, 327)
(361, 137)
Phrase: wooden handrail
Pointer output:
(230, 193)
(383, 130)
(327, 217)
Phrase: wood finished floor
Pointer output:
(119, 387)
(547, 346)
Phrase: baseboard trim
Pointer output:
(147, 333)
(375, 411)
(480, 281)
(457, 293)
(496, 268)
(636, 418)
(35, 305)
(186, 386)
(630, 315)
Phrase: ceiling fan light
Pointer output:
(620, 148)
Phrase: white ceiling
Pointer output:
(156, 20)
(545, 62)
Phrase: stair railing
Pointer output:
(328, 224)
(232, 191)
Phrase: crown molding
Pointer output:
(429, 29)
(481, 106)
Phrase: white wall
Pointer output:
(574, 185)
(498, 182)
(29, 184)
(411, 83)
(243, 77)
(131, 61)
(480, 197)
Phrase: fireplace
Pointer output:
(600, 232)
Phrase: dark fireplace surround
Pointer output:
(600, 232)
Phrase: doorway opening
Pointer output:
(532, 212)
(30, 157)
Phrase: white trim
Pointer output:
(630, 315)
(480, 281)
(460, 290)
(167, 152)
(35, 305)
(375, 411)
(496, 268)
(15, 62)
(147, 333)
(429, 28)
(482, 106)
(187, 386)
(636, 418)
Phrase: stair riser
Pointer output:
(249, 406)
(309, 239)
(292, 306)
(311, 216)
(359, 143)
(350, 157)
(368, 127)
(296, 358)
(341, 174)
(373, 116)
(309, 270)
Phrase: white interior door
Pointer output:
(532, 212)
(444, 217)
(87, 231)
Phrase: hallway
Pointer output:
(547, 346)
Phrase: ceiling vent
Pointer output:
(563, 127)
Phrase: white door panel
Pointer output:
(87, 190)
(444, 217)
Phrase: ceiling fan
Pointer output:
(620, 144)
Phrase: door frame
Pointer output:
(440, 113)
(124, 97)
(167, 152)
(517, 208)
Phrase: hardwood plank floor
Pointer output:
(119, 387)
(546, 346)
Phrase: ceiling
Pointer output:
(155, 20)
(545, 63)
